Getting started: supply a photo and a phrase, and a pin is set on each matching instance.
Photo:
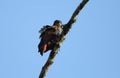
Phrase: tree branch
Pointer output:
(66, 29)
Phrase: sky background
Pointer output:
(91, 48)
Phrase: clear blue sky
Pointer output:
(91, 49)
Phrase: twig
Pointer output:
(66, 29)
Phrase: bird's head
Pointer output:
(57, 23)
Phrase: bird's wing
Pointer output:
(45, 37)
(43, 30)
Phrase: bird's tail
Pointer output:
(40, 48)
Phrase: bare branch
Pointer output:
(66, 29)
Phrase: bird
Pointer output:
(49, 36)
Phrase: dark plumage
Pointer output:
(50, 35)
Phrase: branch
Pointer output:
(72, 20)
(66, 29)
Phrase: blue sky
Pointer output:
(91, 49)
